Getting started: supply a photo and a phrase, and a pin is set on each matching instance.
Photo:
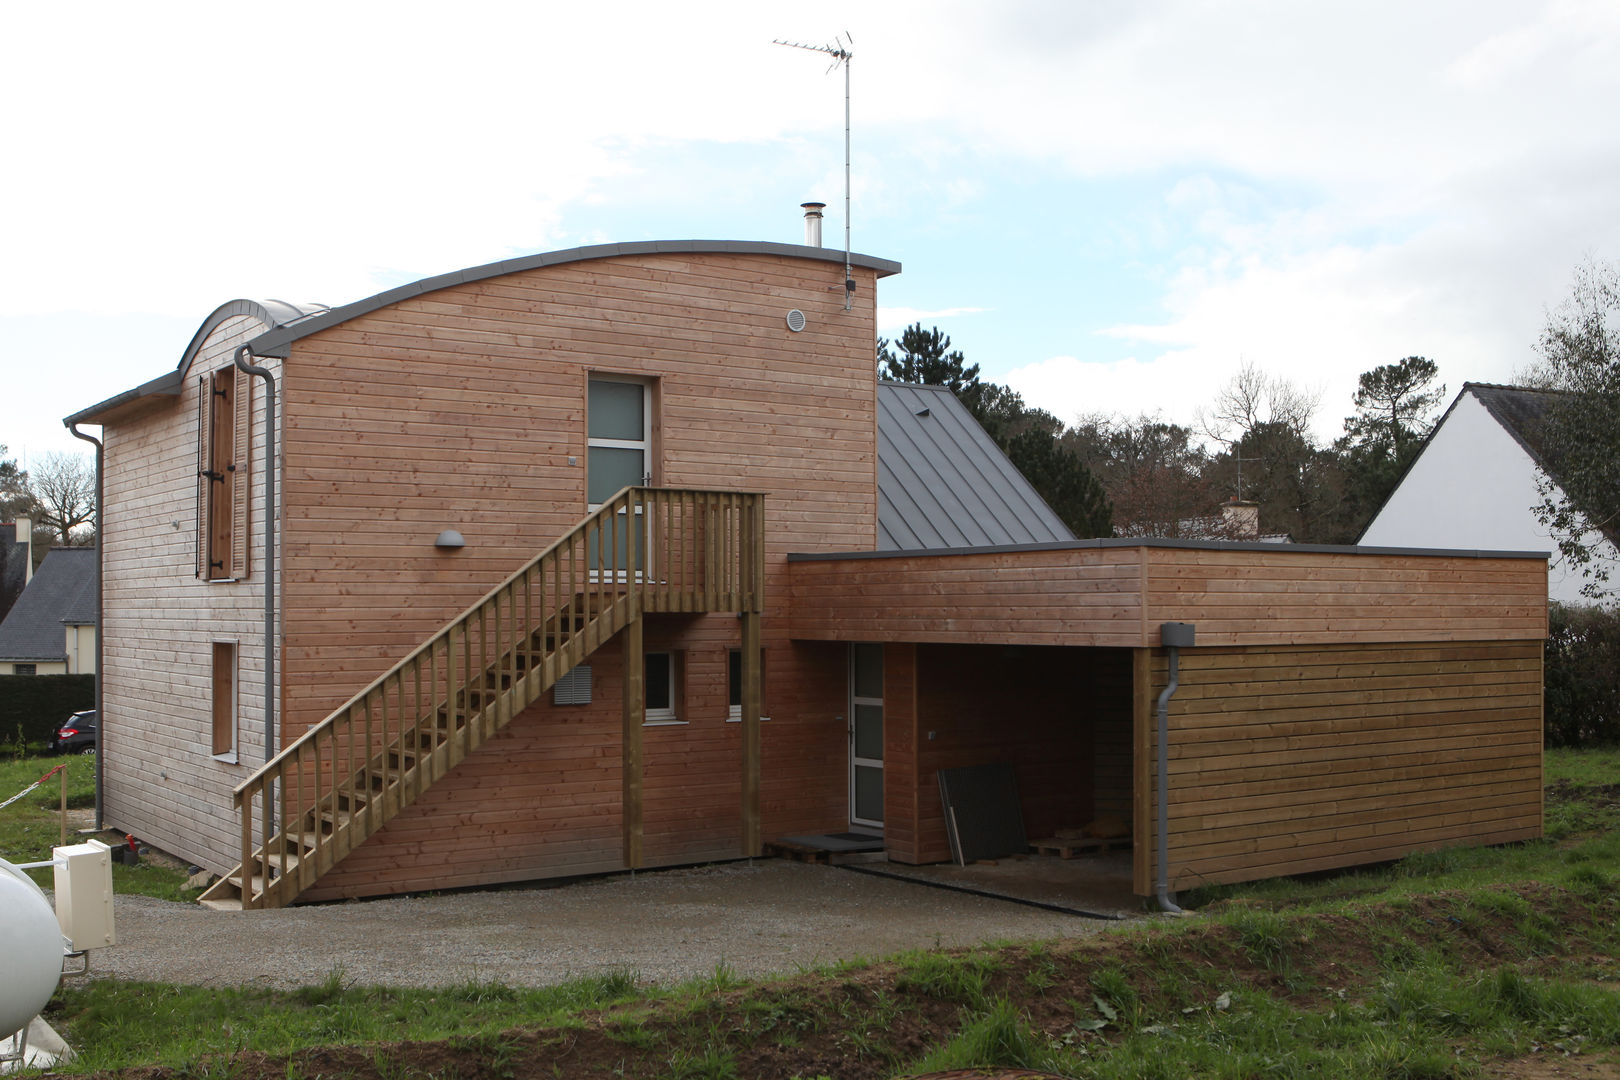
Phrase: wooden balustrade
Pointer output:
(644, 550)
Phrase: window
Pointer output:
(618, 450)
(224, 450)
(24, 669)
(664, 674)
(224, 720)
(734, 679)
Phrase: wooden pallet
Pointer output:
(1071, 847)
(781, 849)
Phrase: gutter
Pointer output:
(1175, 636)
(101, 548)
(242, 365)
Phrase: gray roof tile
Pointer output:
(63, 591)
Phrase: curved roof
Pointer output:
(289, 322)
(276, 341)
(272, 313)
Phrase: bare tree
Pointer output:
(1251, 399)
(64, 491)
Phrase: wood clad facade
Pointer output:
(1118, 592)
(1340, 706)
(466, 409)
(162, 621)
(1285, 760)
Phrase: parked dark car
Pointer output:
(77, 735)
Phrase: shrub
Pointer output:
(1583, 676)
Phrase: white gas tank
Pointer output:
(30, 950)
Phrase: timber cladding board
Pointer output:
(1278, 766)
(1119, 595)
(161, 780)
(460, 409)
(1045, 711)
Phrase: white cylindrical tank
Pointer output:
(30, 950)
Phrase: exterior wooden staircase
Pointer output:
(645, 550)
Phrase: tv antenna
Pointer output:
(839, 51)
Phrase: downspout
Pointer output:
(1175, 636)
(242, 365)
(101, 548)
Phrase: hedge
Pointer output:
(1583, 676)
(32, 707)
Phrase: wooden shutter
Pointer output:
(241, 486)
(205, 442)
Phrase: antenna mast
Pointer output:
(839, 51)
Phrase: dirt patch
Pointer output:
(868, 1023)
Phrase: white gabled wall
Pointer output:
(1474, 487)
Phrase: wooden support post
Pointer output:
(635, 713)
(1142, 804)
(751, 684)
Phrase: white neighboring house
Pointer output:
(1473, 486)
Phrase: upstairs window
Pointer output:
(618, 422)
(224, 452)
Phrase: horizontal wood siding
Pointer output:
(161, 780)
(1118, 596)
(1257, 597)
(461, 409)
(1078, 597)
(1290, 759)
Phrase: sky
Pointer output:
(1108, 205)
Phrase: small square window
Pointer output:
(663, 682)
(24, 669)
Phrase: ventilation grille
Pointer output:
(795, 320)
(573, 688)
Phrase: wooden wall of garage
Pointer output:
(1117, 594)
(1054, 714)
(1285, 760)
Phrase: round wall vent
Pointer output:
(795, 320)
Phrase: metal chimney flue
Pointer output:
(812, 223)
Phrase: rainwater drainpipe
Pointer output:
(242, 365)
(101, 547)
(1175, 636)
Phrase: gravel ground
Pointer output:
(758, 918)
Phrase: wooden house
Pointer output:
(622, 557)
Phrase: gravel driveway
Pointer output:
(761, 917)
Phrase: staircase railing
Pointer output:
(645, 549)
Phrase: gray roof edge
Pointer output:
(1166, 542)
(166, 385)
(273, 313)
(276, 341)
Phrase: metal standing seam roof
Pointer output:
(944, 483)
(62, 593)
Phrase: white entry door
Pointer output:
(866, 736)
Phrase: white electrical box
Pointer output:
(84, 894)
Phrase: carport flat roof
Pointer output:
(1118, 592)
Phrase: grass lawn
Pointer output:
(31, 827)
(1454, 964)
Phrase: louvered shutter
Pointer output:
(241, 487)
(205, 441)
